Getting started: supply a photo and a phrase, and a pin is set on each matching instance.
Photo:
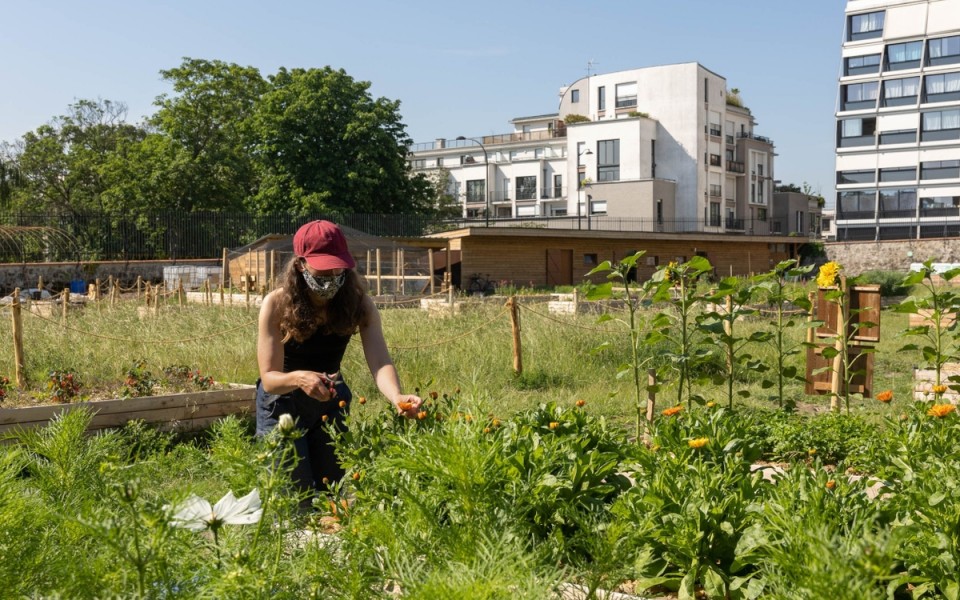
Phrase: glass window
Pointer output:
(942, 88)
(866, 26)
(895, 89)
(940, 169)
(626, 95)
(475, 190)
(898, 202)
(942, 203)
(860, 95)
(856, 176)
(856, 132)
(601, 98)
(575, 96)
(581, 146)
(608, 160)
(856, 204)
(898, 174)
(526, 188)
(860, 65)
(904, 56)
(941, 119)
(943, 51)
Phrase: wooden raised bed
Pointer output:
(180, 412)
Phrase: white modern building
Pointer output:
(898, 121)
(664, 148)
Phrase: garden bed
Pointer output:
(181, 412)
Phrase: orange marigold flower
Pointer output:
(831, 484)
(941, 410)
(580, 403)
(422, 415)
(673, 410)
(939, 389)
(495, 423)
(698, 442)
(885, 396)
(554, 424)
(433, 395)
(362, 400)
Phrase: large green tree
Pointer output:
(325, 144)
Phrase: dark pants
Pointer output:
(316, 460)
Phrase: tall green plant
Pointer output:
(677, 326)
(775, 283)
(938, 306)
(635, 295)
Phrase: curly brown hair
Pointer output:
(301, 317)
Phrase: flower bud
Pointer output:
(285, 423)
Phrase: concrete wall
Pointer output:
(57, 276)
(891, 255)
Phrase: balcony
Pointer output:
(750, 136)
(734, 166)
(714, 160)
(715, 191)
(734, 224)
(715, 131)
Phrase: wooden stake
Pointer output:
(837, 376)
(430, 267)
(515, 328)
(17, 340)
(651, 395)
(139, 285)
(272, 283)
(40, 283)
(379, 281)
(180, 292)
(66, 303)
(96, 289)
(728, 329)
(401, 260)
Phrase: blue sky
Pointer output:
(458, 68)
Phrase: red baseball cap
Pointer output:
(322, 244)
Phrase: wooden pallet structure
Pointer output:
(861, 311)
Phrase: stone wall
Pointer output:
(891, 255)
(57, 276)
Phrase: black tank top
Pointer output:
(321, 352)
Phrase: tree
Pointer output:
(325, 144)
(207, 121)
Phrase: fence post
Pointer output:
(430, 266)
(40, 284)
(515, 328)
(180, 292)
(837, 376)
(378, 272)
(96, 289)
(139, 285)
(66, 303)
(17, 340)
(450, 299)
(156, 300)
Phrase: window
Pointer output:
(899, 92)
(761, 214)
(856, 176)
(904, 56)
(939, 206)
(857, 132)
(865, 26)
(527, 188)
(714, 214)
(474, 213)
(944, 51)
(602, 98)
(598, 207)
(861, 65)
(575, 96)
(940, 125)
(940, 169)
(898, 174)
(856, 204)
(860, 95)
(608, 160)
(475, 190)
(581, 146)
(898, 202)
(590, 260)
(941, 88)
(899, 136)
(626, 95)
(558, 186)
(715, 160)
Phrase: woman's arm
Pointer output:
(270, 357)
(381, 366)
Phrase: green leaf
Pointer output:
(713, 583)
(937, 498)
(600, 291)
(601, 268)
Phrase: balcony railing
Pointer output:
(737, 227)
(715, 190)
(734, 166)
(752, 136)
(715, 131)
(500, 138)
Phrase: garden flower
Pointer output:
(831, 484)
(285, 423)
(885, 396)
(941, 410)
(828, 274)
(698, 442)
(939, 389)
(811, 451)
(196, 514)
(711, 404)
(673, 410)
(581, 403)
(554, 424)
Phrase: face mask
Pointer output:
(325, 286)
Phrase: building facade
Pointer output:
(661, 149)
(898, 121)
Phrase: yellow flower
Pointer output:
(711, 404)
(939, 389)
(672, 410)
(698, 442)
(812, 451)
(885, 396)
(941, 410)
(828, 274)
(831, 484)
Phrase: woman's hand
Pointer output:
(407, 405)
(319, 386)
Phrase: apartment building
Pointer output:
(898, 121)
(665, 148)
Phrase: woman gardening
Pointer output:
(304, 328)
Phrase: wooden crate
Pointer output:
(923, 382)
(181, 412)
(864, 308)
(924, 317)
(820, 383)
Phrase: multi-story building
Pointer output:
(898, 121)
(665, 148)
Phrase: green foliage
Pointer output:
(831, 438)
(891, 282)
(575, 118)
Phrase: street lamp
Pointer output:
(486, 176)
(580, 186)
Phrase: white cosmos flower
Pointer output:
(196, 514)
